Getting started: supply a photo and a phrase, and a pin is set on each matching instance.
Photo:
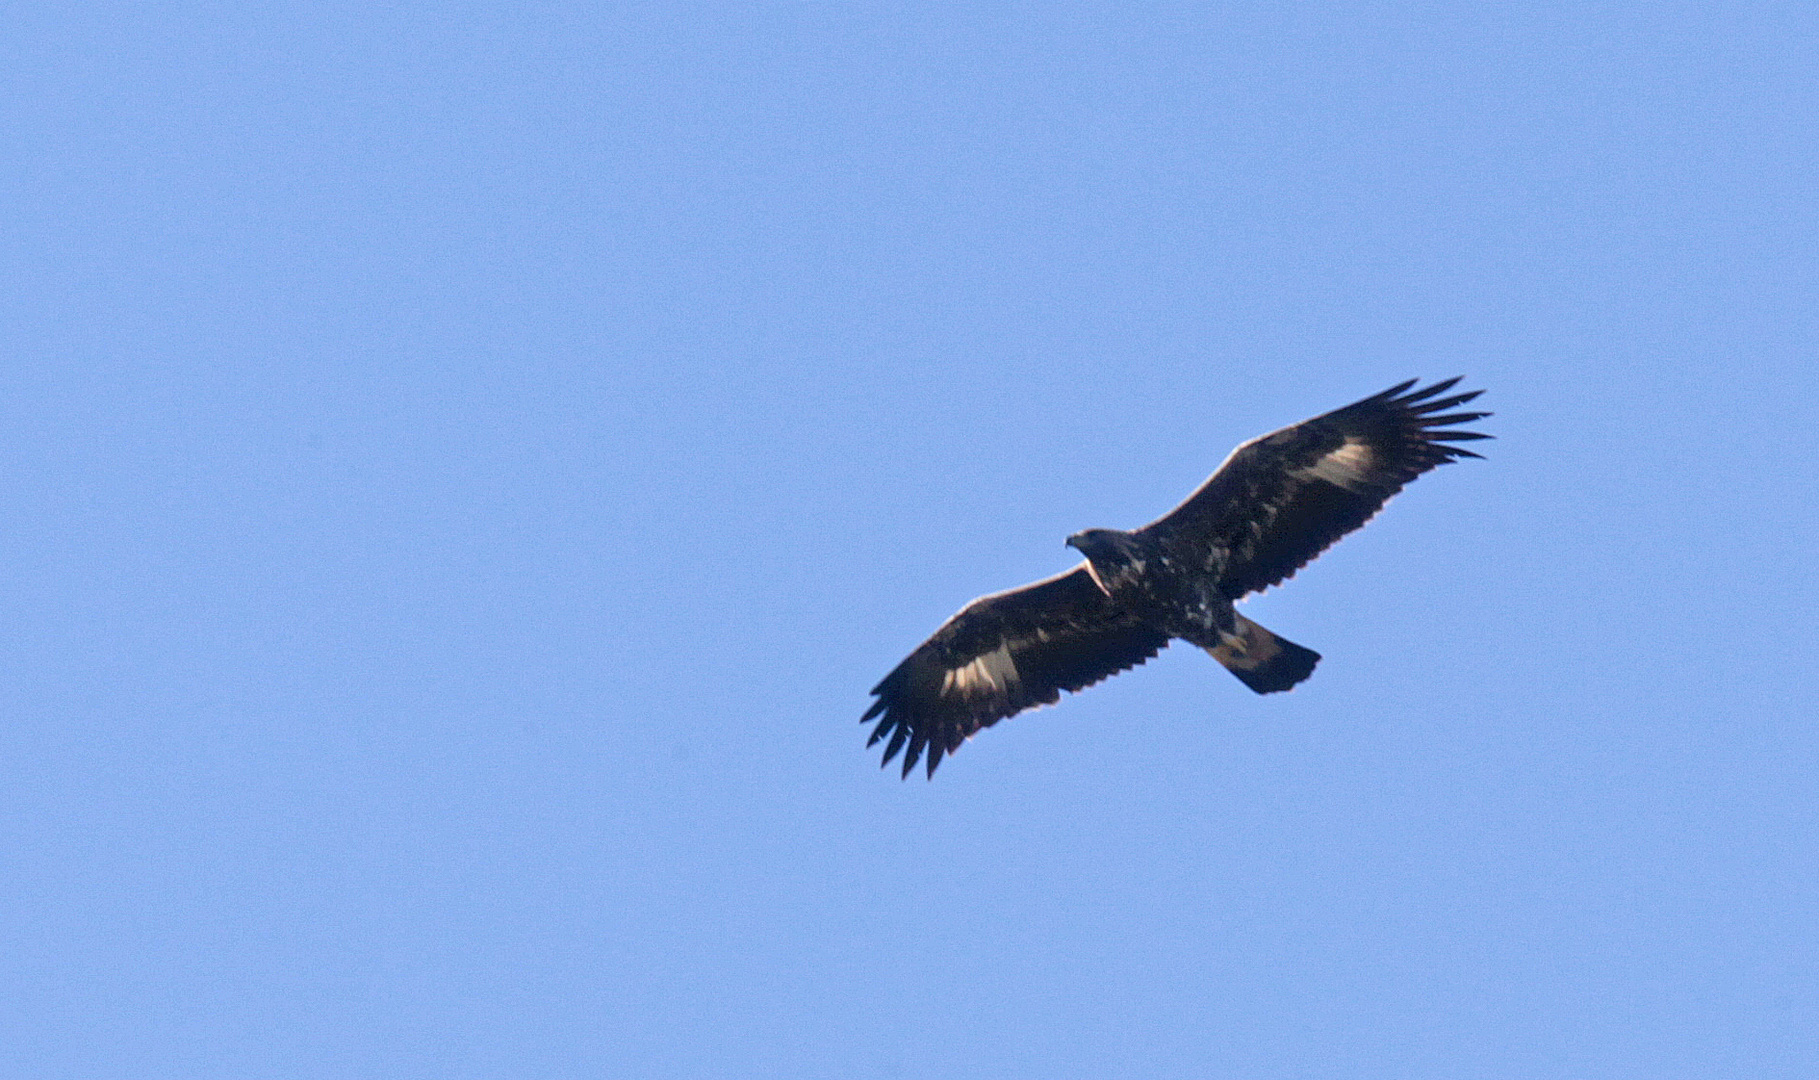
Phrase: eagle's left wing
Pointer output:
(1002, 654)
(1283, 498)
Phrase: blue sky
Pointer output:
(463, 466)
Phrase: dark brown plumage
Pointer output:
(1275, 504)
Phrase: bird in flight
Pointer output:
(1275, 504)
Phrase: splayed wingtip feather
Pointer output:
(1438, 388)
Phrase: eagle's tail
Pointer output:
(1262, 661)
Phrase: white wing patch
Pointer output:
(991, 673)
(1345, 467)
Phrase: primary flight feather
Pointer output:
(1275, 504)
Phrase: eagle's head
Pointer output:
(1113, 557)
(1102, 545)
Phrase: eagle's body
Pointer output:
(1170, 585)
(1276, 503)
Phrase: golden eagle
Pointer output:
(1277, 502)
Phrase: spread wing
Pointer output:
(1283, 498)
(1000, 655)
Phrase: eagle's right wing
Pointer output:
(1002, 654)
(1283, 498)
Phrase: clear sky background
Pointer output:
(462, 467)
